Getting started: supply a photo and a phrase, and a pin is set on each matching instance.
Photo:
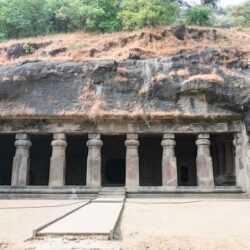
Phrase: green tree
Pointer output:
(140, 13)
(101, 15)
(239, 15)
(95, 15)
(23, 17)
(199, 15)
(64, 15)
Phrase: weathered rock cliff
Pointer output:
(130, 88)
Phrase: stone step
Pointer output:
(189, 195)
(112, 192)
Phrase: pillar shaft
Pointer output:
(58, 161)
(132, 161)
(21, 161)
(94, 161)
(169, 165)
(204, 162)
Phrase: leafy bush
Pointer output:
(239, 15)
(64, 15)
(140, 13)
(20, 18)
(101, 15)
(199, 15)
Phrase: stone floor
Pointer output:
(169, 224)
(99, 218)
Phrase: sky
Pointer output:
(223, 3)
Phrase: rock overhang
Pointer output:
(130, 89)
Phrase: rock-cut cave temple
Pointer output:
(169, 125)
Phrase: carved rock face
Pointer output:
(46, 88)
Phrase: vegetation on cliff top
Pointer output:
(24, 18)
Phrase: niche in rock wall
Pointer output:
(193, 103)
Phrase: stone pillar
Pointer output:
(169, 165)
(240, 144)
(58, 161)
(204, 162)
(94, 160)
(132, 161)
(21, 161)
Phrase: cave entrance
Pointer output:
(76, 160)
(223, 155)
(186, 152)
(113, 161)
(7, 152)
(150, 155)
(40, 154)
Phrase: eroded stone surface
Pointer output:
(132, 88)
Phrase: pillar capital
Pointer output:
(59, 136)
(132, 140)
(22, 140)
(22, 136)
(203, 139)
(168, 140)
(95, 143)
(132, 136)
(59, 140)
(204, 136)
(169, 136)
(23, 143)
(94, 136)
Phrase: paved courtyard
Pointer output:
(169, 224)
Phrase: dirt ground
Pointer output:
(145, 43)
(167, 224)
(185, 224)
(18, 218)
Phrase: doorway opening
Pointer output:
(76, 160)
(40, 153)
(113, 161)
(150, 158)
(223, 155)
(7, 152)
(186, 152)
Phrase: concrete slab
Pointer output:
(97, 219)
(19, 218)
